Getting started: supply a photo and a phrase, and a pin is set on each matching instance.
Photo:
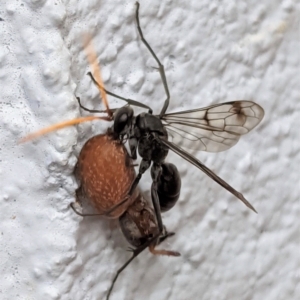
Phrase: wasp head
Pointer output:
(122, 119)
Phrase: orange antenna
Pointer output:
(60, 125)
(92, 58)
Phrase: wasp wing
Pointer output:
(193, 160)
(214, 128)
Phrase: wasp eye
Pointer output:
(122, 118)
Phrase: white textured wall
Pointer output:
(213, 51)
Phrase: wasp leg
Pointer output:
(160, 65)
(144, 166)
(78, 191)
(159, 237)
(165, 236)
(135, 253)
(129, 101)
(139, 250)
(117, 275)
(81, 214)
(78, 196)
(134, 165)
(155, 173)
(103, 214)
(159, 241)
(90, 110)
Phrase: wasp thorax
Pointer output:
(150, 123)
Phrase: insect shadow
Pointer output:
(114, 193)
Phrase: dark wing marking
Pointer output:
(193, 160)
(214, 128)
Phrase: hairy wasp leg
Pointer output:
(129, 101)
(160, 65)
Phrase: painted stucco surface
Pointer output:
(213, 52)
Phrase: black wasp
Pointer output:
(214, 128)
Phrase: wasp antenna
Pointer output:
(92, 58)
(60, 125)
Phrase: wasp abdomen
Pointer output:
(169, 185)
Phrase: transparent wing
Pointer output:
(197, 163)
(214, 128)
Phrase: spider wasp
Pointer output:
(214, 128)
